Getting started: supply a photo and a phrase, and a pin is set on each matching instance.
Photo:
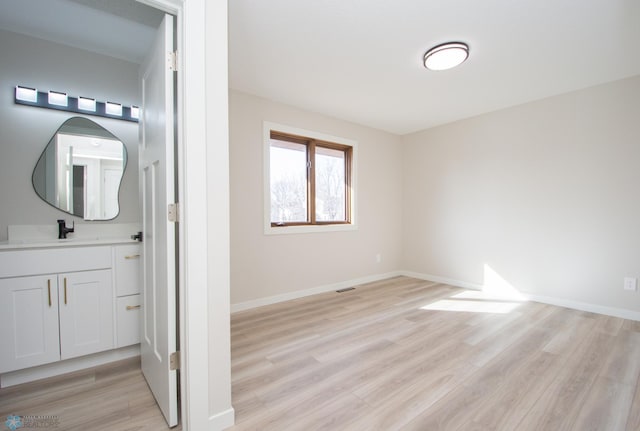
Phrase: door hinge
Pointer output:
(173, 61)
(174, 361)
(173, 212)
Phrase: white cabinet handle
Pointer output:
(132, 307)
(132, 256)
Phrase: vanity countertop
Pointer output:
(45, 236)
(69, 242)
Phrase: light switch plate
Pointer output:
(630, 283)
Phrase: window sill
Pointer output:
(283, 230)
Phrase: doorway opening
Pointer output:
(123, 31)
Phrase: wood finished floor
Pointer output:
(110, 397)
(373, 359)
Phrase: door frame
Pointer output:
(203, 246)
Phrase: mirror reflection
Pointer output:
(80, 170)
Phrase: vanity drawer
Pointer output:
(128, 320)
(22, 263)
(127, 269)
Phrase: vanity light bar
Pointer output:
(81, 105)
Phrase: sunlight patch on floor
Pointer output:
(497, 296)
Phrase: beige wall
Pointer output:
(264, 266)
(546, 194)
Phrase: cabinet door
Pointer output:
(127, 269)
(86, 313)
(28, 322)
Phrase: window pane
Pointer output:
(288, 168)
(330, 185)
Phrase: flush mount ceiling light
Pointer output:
(446, 56)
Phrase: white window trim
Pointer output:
(266, 180)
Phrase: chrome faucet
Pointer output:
(63, 230)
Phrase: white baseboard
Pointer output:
(222, 420)
(585, 306)
(443, 280)
(561, 302)
(67, 366)
(241, 306)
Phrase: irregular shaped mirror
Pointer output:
(80, 170)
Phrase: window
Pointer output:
(309, 180)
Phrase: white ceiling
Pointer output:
(361, 60)
(122, 29)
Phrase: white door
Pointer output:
(157, 191)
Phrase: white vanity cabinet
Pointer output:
(57, 316)
(62, 303)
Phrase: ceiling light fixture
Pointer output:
(446, 56)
